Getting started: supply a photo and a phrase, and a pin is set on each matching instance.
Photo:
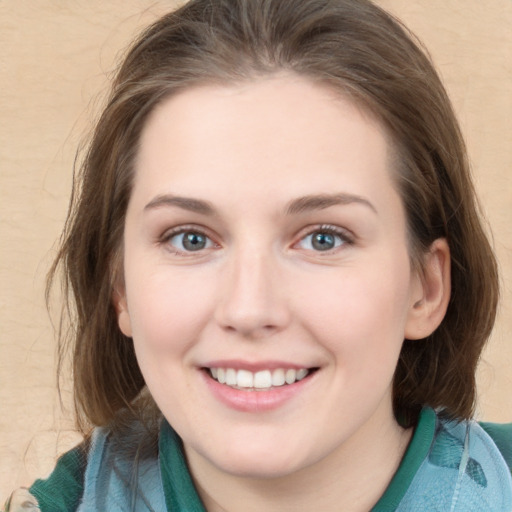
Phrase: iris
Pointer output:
(323, 241)
(194, 241)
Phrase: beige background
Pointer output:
(56, 57)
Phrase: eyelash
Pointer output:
(181, 230)
(344, 237)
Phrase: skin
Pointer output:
(260, 291)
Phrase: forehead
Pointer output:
(285, 131)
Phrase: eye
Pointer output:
(190, 241)
(324, 239)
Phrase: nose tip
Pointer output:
(253, 304)
(251, 328)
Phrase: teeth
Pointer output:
(278, 377)
(244, 379)
(290, 376)
(231, 379)
(264, 379)
(301, 373)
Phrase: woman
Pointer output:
(282, 285)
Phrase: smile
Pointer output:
(257, 387)
(262, 380)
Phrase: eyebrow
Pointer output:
(322, 201)
(186, 203)
(299, 205)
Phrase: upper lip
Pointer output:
(254, 366)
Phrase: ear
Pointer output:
(431, 292)
(121, 307)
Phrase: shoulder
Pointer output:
(121, 463)
(123, 471)
(61, 491)
(501, 434)
(463, 471)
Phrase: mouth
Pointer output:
(262, 380)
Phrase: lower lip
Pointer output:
(255, 401)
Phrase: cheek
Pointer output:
(168, 309)
(359, 314)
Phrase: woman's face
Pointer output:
(268, 286)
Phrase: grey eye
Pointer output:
(189, 241)
(321, 241)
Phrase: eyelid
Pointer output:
(184, 228)
(347, 236)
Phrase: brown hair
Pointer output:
(352, 46)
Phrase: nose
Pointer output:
(253, 302)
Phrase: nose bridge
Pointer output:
(253, 303)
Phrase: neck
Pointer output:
(352, 478)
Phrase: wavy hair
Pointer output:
(354, 47)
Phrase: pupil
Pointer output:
(194, 241)
(323, 241)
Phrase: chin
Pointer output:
(258, 464)
(259, 470)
